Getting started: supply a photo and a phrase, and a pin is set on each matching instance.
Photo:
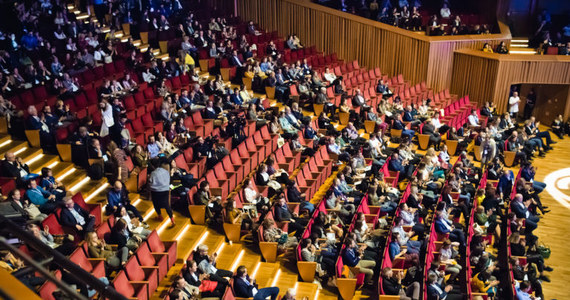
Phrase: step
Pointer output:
(229, 255)
(12, 146)
(307, 289)
(59, 169)
(44, 161)
(188, 241)
(74, 178)
(266, 273)
(250, 260)
(284, 282)
(28, 154)
(4, 138)
(93, 189)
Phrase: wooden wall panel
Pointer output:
(373, 44)
(489, 76)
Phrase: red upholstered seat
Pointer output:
(128, 289)
(157, 246)
(148, 259)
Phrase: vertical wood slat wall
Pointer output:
(489, 76)
(374, 44)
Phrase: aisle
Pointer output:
(553, 228)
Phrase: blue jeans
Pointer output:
(538, 186)
(408, 133)
(266, 292)
(414, 246)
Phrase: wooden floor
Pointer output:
(553, 228)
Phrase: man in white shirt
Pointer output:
(473, 118)
(514, 101)
(329, 76)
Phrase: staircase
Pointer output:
(519, 45)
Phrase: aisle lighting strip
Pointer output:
(276, 277)
(33, 160)
(238, 260)
(5, 143)
(53, 164)
(97, 191)
(148, 215)
(80, 184)
(20, 151)
(62, 177)
(186, 228)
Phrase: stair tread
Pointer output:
(46, 160)
(13, 146)
(29, 153)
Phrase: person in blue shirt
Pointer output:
(236, 98)
(50, 184)
(399, 125)
(352, 257)
(245, 287)
(394, 248)
(153, 147)
(443, 226)
(29, 41)
(40, 197)
(117, 197)
(527, 172)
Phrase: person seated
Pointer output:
(434, 136)
(204, 197)
(444, 226)
(63, 244)
(207, 265)
(46, 201)
(12, 265)
(400, 165)
(28, 210)
(34, 122)
(246, 287)
(352, 257)
(52, 185)
(122, 236)
(436, 291)
(325, 265)
(392, 285)
(97, 248)
(118, 197)
(13, 166)
(272, 233)
(196, 278)
(77, 218)
(502, 49)
(237, 216)
(484, 282)
(283, 213)
(182, 289)
(398, 124)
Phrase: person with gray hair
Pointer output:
(207, 264)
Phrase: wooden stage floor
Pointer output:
(554, 228)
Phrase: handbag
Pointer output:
(544, 251)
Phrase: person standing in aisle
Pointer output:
(159, 184)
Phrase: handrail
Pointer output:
(79, 274)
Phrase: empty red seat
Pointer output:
(131, 290)
(135, 272)
(158, 246)
(95, 267)
(157, 260)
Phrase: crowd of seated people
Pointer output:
(412, 15)
(551, 36)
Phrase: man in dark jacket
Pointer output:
(246, 287)
(74, 216)
(392, 285)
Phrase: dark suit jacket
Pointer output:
(117, 238)
(395, 165)
(282, 214)
(67, 218)
(398, 125)
(391, 286)
(435, 294)
(242, 288)
(294, 195)
(10, 169)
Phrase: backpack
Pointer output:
(95, 172)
